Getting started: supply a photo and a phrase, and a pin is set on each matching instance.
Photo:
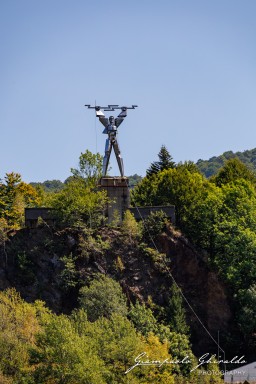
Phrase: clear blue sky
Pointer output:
(190, 65)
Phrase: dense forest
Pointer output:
(69, 312)
(212, 166)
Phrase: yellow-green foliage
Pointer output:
(130, 228)
(79, 204)
(89, 167)
(157, 351)
(3, 230)
(119, 264)
(18, 326)
(61, 355)
(37, 346)
(15, 195)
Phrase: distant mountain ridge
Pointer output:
(211, 167)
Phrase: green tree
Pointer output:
(118, 345)
(143, 319)
(189, 165)
(200, 220)
(247, 310)
(145, 192)
(178, 344)
(103, 297)
(90, 167)
(179, 348)
(130, 228)
(233, 170)
(153, 226)
(235, 236)
(165, 162)
(69, 274)
(15, 195)
(61, 355)
(18, 327)
(79, 204)
(177, 186)
(176, 315)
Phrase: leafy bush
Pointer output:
(103, 297)
(69, 274)
(78, 204)
(153, 226)
(130, 228)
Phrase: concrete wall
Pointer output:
(117, 189)
(32, 214)
(143, 212)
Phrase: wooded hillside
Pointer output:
(110, 291)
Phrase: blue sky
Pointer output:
(189, 65)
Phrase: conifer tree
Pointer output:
(176, 313)
(165, 162)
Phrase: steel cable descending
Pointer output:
(95, 128)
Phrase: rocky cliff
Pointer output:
(51, 265)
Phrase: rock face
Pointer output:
(208, 298)
(32, 262)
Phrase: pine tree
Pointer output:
(165, 162)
